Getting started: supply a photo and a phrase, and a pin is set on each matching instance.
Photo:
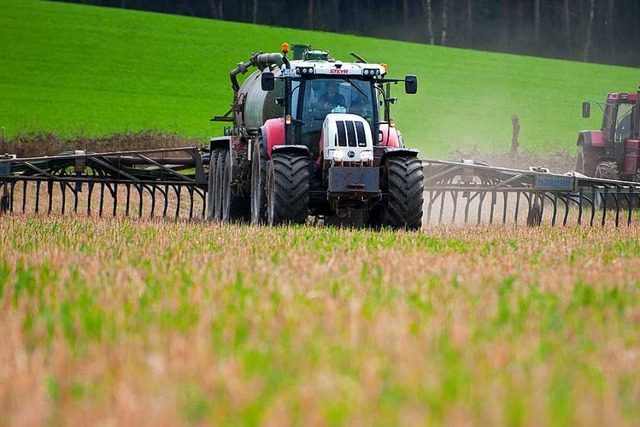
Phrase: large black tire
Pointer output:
(224, 205)
(587, 160)
(236, 205)
(287, 189)
(405, 187)
(259, 159)
(221, 185)
(213, 167)
(608, 169)
(534, 216)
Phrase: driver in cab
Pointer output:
(331, 98)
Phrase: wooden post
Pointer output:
(516, 131)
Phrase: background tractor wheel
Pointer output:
(587, 160)
(534, 216)
(608, 169)
(287, 189)
(213, 167)
(259, 159)
(405, 193)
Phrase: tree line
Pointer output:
(603, 31)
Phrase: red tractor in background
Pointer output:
(313, 136)
(613, 151)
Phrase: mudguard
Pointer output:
(389, 136)
(273, 133)
(297, 149)
(395, 152)
(220, 142)
(590, 138)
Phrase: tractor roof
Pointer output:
(622, 97)
(337, 68)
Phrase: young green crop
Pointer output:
(74, 69)
(174, 323)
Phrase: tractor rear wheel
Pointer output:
(259, 159)
(287, 189)
(405, 189)
(587, 160)
(211, 199)
(608, 169)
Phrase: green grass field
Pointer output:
(78, 70)
(148, 323)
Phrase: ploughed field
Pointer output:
(131, 322)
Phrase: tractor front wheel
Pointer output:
(405, 187)
(287, 189)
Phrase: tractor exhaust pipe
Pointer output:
(260, 60)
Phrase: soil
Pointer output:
(559, 161)
(49, 144)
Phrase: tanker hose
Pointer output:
(264, 60)
(260, 60)
(241, 68)
(267, 59)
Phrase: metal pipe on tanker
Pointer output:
(260, 60)
(264, 60)
(240, 69)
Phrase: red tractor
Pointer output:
(613, 151)
(313, 136)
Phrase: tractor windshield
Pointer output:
(623, 122)
(318, 97)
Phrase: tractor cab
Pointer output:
(619, 116)
(616, 146)
(313, 135)
(314, 100)
(317, 89)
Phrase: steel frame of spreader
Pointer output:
(156, 182)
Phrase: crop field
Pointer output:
(90, 71)
(117, 321)
(173, 323)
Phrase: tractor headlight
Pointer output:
(336, 155)
(305, 70)
(366, 155)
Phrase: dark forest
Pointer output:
(602, 31)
